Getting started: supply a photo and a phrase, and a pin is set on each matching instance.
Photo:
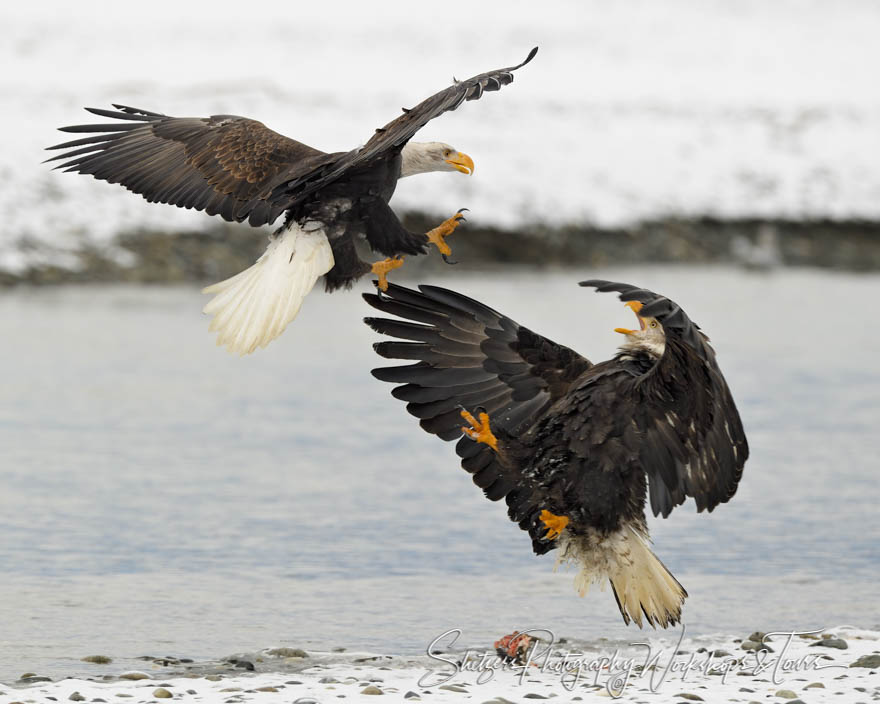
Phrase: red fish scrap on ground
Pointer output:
(515, 646)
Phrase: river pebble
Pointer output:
(872, 661)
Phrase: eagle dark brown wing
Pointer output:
(469, 355)
(399, 131)
(692, 441)
(224, 165)
(233, 166)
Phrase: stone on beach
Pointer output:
(754, 645)
(30, 678)
(98, 659)
(838, 643)
(288, 652)
(870, 661)
(453, 688)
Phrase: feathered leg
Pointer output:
(387, 235)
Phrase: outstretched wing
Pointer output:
(225, 165)
(233, 166)
(693, 442)
(468, 355)
(399, 131)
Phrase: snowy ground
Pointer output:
(798, 668)
(631, 110)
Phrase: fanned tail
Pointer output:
(253, 307)
(641, 583)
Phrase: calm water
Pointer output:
(161, 497)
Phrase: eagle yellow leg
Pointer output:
(555, 524)
(382, 268)
(479, 430)
(443, 230)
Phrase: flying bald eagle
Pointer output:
(574, 447)
(239, 169)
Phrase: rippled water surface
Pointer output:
(161, 497)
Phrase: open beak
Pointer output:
(462, 162)
(635, 306)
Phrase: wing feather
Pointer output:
(234, 166)
(469, 356)
(692, 438)
(399, 131)
(224, 164)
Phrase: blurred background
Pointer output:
(162, 497)
(643, 132)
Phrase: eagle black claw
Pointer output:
(448, 260)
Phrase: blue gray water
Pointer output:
(161, 497)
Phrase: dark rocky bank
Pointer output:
(223, 249)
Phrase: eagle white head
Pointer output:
(424, 157)
(650, 337)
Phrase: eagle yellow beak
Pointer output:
(462, 162)
(635, 306)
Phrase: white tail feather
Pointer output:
(253, 307)
(641, 583)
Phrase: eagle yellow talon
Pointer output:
(479, 430)
(442, 231)
(555, 524)
(382, 268)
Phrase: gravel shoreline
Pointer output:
(223, 249)
(834, 665)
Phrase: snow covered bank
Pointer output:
(835, 666)
(631, 111)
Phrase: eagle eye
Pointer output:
(653, 323)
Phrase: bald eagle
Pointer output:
(239, 169)
(574, 447)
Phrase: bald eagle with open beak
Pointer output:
(239, 169)
(574, 448)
